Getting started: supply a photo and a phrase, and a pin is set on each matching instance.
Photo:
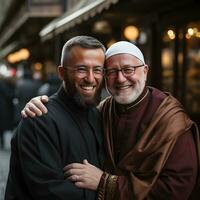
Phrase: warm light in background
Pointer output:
(171, 34)
(131, 33)
(167, 58)
(188, 36)
(22, 54)
(192, 32)
(102, 27)
(38, 66)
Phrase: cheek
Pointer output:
(76, 82)
(70, 80)
(140, 77)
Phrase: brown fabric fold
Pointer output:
(144, 162)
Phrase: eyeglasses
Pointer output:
(126, 71)
(82, 71)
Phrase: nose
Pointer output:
(120, 77)
(90, 76)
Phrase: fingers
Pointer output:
(83, 175)
(77, 168)
(75, 178)
(35, 107)
(73, 166)
(27, 113)
(78, 181)
(85, 162)
(80, 184)
(31, 110)
(72, 172)
(44, 98)
(23, 114)
(83, 181)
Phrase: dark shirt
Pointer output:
(42, 146)
(131, 120)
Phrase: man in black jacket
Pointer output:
(69, 132)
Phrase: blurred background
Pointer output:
(32, 33)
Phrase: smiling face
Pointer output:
(81, 77)
(127, 89)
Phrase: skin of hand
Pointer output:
(35, 107)
(84, 175)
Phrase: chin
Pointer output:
(85, 101)
(122, 100)
(88, 100)
(126, 99)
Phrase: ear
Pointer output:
(61, 72)
(146, 69)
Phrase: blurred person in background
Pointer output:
(52, 81)
(152, 146)
(26, 88)
(6, 107)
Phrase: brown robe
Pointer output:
(145, 162)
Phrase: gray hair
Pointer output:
(87, 42)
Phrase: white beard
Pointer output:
(130, 96)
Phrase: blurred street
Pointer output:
(4, 163)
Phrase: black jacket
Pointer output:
(42, 146)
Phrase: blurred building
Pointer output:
(167, 31)
(20, 23)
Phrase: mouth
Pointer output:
(123, 87)
(88, 89)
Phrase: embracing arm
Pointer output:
(35, 107)
(90, 177)
(176, 180)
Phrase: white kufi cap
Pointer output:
(124, 47)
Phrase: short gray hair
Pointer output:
(83, 41)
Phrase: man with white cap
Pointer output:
(152, 147)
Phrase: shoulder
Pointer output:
(39, 125)
(169, 104)
(30, 125)
(35, 132)
(171, 116)
(104, 102)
